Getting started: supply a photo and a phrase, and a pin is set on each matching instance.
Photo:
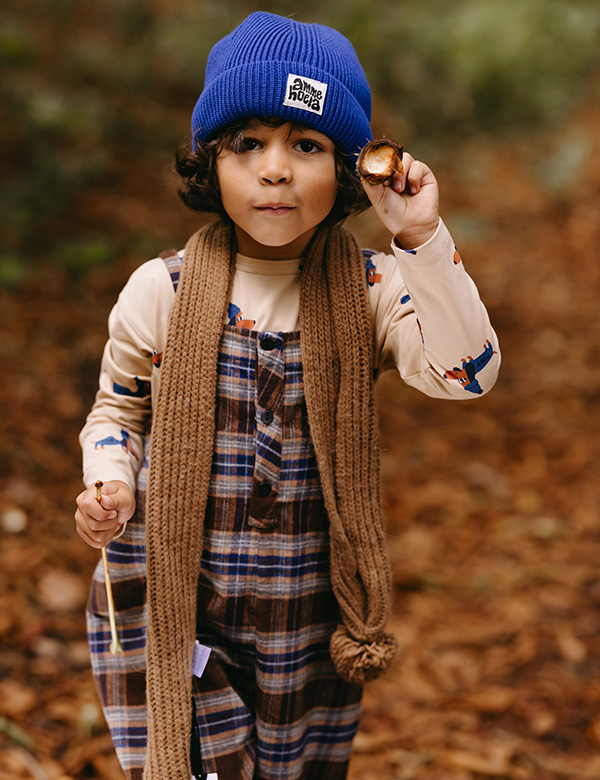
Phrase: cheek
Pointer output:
(228, 182)
(333, 192)
(326, 191)
(331, 200)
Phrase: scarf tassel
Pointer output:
(360, 662)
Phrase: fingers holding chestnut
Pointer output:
(388, 172)
(417, 175)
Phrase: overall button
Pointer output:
(267, 343)
(267, 417)
(264, 489)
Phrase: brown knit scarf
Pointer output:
(337, 346)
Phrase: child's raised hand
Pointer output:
(408, 204)
(98, 522)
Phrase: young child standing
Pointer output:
(235, 427)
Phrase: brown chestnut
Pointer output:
(379, 160)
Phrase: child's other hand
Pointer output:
(98, 522)
(412, 218)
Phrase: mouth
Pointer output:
(275, 209)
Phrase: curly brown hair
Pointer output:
(196, 165)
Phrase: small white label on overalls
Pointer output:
(305, 93)
(200, 659)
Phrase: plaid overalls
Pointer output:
(269, 705)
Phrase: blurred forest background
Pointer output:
(492, 506)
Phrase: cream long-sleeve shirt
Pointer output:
(428, 323)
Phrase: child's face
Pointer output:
(278, 188)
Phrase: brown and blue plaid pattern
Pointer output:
(269, 705)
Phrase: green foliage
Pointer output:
(506, 61)
(80, 255)
(462, 65)
(89, 91)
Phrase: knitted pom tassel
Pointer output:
(360, 662)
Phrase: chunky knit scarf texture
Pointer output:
(337, 356)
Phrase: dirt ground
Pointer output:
(492, 504)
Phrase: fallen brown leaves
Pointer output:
(492, 506)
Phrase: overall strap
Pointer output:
(173, 260)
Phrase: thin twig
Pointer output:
(115, 645)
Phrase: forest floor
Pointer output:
(492, 506)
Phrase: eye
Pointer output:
(249, 144)
(307, 146)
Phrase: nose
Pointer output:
(275, 167)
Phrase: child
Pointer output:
(256, 536)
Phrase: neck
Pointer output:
(246, 245)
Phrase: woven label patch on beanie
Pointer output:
(305, 93)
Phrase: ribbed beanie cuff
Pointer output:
(271, 66)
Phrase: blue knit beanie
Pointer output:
(272, 66)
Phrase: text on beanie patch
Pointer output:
(305, 93)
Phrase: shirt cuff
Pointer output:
(436, 248)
